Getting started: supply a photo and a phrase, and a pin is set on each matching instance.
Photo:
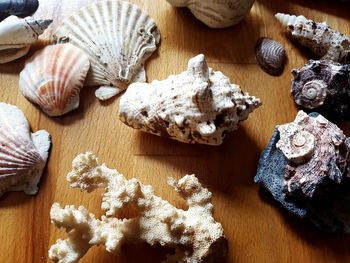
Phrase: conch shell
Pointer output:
(53, 78)
(318, 37)
(17, 34)
(323, 85)
(118, 37)
(306, 169)
(216, 14)
(197, 106)
(23, 154)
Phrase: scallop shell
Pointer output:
(17, 34)
(117, 36)
(17, 7)
(270, 56)
(53, 77)
(320, 38)
(216, 14)
(23, 154)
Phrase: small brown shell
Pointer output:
(270, 56)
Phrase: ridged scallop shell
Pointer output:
(17, 7)
(23, 154)
(270, 55)
(53, 77)
(320, 38)
(17, 34)
(117, 36)
(216, 14)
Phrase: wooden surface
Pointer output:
(256, 228)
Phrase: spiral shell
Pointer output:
(117, 36)
(53, 77)
(17, 34)
(270, 56)
(23, 154)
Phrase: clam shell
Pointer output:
(23, 154)
(117, 36)
(17, 7)
(53, 77)
(17, 34)
(270, 56)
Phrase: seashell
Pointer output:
(117, 36)
(270, 56)
(306, 169)
(320, 38)
(53, 77)
(23, 154)
(199, 105)
(216, 14)
(17, 34)
(17, 7)
(323, 85)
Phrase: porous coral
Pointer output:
(199, 105)
(194, 233)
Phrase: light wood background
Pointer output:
(256, 228)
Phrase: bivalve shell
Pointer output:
(53, 77)
(117, 36)
(17, 7)
(23, 154)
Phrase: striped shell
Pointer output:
(270, 56)
(23, 154)
(117, 36)
(53, 77)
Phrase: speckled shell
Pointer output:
(199, 105)
(17, 34)
(23, 154)
(117, 36)
(323, 85)
(306, 169)
(270, 56)
(17, 7)
(217, 14)
(53, 77)
(318, 37)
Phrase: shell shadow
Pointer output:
(219, 168)
(337, 243)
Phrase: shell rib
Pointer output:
(17, 34)
(23, 154)
(196, 106)
(117, 36)
(306, 169)
(270, 56)
(53, 77)
(323, 85)
(216, 14)
(318, 37)
(17, 7)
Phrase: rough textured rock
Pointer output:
(305, 168)
(320, 38)
(197, 106)
(194, 233)
(324, 86)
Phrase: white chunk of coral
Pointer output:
(199, 105)
(194, 233)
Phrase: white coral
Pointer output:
(193, 232)
(319, 37)
(199, 105)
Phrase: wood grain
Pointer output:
(257, 230)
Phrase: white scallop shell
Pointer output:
(23, 154)
(17, 34)
(53, 77)
(118, 38)
(216, 14)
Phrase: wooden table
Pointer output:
(256, 228)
